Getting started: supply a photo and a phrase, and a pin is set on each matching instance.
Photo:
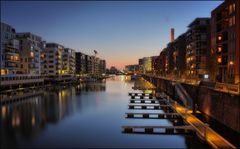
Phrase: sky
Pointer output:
(121, 31)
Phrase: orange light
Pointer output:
(219, 37)
(16, 58)
(219, 49)
(231, 62)
(219, 59)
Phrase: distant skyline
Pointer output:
(121, 32)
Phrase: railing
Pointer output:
(223, 87)
(20, 79)
(230, 88)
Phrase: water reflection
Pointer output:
(87, 115)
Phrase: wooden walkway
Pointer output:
(149, 107)
(186, 129)
(154, 115)
(143, 101)
(140, 94)
(203, 131)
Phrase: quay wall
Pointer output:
(221, 106)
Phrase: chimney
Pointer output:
(172, 34)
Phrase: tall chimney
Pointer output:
(172, 34)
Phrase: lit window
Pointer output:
(16, 58)
(219, 49)
(219, 37)
(31, 54)
(233, 20)
(219, 59)
(2, 72)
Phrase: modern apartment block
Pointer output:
(179, 56)
(225, 43)
(89, 65)
(30, 47)
(80, 63)
(145, 64)
(198, 48)
(102, 66)
(69, 61)
(53, 59)
(9, 52)
(131, 68)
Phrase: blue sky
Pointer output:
(121, 32)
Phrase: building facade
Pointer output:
(9, 52)
(53, 60)
(179, 56)
(102, 66)
(198, 48)
(69, 61)
(131, 69)
(225, 44)
(30, 46)
(81, 63)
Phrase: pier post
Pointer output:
(205, 131)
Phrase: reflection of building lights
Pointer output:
(33, 121)
(219, 59)
(4, 111)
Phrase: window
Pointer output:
(233, 20)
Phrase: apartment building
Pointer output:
(30, 46)
(198, 48)
(53, 59)
(69, 61)
(9, 52)
(225, 35)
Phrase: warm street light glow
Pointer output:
(231, 62)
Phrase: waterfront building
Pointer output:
(140, 63)
(145, 64)
(102, 66)
(131, 68)
(53, 62)
(153, 64)
(162, 62)
(81, 63)
(225, 40)
(90, 64)
(113, 70)
(68, 58)
(169, 64)
(9, 52)
(30, 46)
(198, 49)
(179, 56)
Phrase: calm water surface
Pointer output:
(89, 115)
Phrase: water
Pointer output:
(90, 115)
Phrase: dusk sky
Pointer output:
(121, 32)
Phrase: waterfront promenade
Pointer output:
(202, 130)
